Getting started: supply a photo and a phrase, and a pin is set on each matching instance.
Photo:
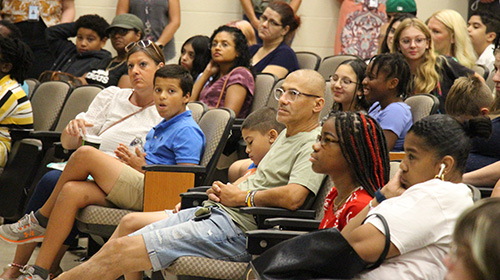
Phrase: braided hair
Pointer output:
(444, 135)
(18, 54)
(363, 145)
(394, 65)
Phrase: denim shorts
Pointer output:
(216, 237)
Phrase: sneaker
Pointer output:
(26, 230)
(31, 272)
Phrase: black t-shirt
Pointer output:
(449, 71)
(107, 73)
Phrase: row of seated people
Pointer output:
(299, 113)
(286, 92)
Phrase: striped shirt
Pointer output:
(15, 112)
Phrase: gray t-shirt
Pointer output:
(154, 14)
(260, 5)
(287, 162)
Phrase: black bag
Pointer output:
(319, 254)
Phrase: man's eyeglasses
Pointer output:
(344, 82)
(291, 94)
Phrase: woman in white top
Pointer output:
(106, 118)
(420, 203)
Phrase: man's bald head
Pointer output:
(311, 81)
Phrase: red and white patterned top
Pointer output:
(353, 205)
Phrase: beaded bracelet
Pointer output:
(16, 265)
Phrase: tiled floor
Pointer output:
(7, 253)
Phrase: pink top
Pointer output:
(240, 75)
(354, 204)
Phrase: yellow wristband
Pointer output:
(247, 199)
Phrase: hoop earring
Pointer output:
(440, 175)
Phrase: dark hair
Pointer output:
(394, 65)
(364, 147)
(201, 47)
(263, 120)
(384, 48)
(241, 45)
(152, 50)
(18, 54)
(489, 19)
(444, 135)
(14, 31)
(288, 18)
(175, 71)
(93, 22)
(467, 96)
(359, 67)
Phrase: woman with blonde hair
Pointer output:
(450, 37)
(432, 73)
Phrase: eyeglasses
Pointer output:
(344, 82)
(144, 44)
(418, 41)
(272, 22)
(325, 141)
(118, 31)
(290, 94)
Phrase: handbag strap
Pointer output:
(224, 87)
(126, 117)
(387, 241)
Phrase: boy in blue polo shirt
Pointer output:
(175, 140)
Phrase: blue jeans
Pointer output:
(42, 192)
(216, 237)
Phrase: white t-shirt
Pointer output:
(111, 105)
(487, 58)
(421, 222)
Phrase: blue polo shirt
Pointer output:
(174, 141)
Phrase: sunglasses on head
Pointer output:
(143, 44)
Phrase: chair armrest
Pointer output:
(48, 138)
(192, 199)
(199, 189)
(164, 183)
(262, 213)
(60, 152)
(17, 134)
(397, 156)
(293, 223)
(237, 123)
(260, 240)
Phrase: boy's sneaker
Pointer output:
(26, 230)
(32, 272)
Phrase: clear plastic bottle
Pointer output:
(137, 142)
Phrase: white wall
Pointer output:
(319, 18)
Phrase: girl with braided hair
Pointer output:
(420, 203)
(352, 151)
(15, 111)
(385, 86)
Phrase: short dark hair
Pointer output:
(93, 22)
(17, 53)
(394, 65)
(443, 135)
(174, 71)
(15, 32)
(263, 120)
(201, 47)
(468, 96)
(489, 19)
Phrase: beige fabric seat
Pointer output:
(422, 105)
